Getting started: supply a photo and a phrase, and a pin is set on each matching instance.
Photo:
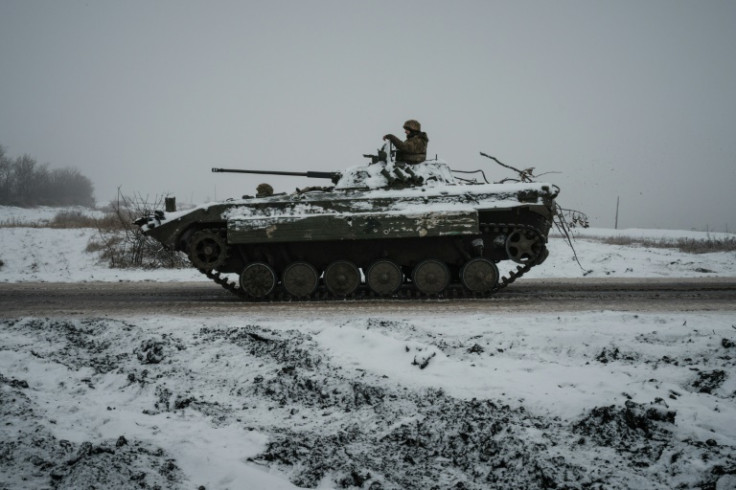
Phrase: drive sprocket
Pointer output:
(524, 245)
(208, 249)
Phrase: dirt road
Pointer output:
(206, 299)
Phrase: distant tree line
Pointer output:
(24, 183)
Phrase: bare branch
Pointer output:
(501, 163)
(564, 228)
(560, 218)
(547, 173)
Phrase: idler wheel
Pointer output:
(431, 276)
(258, 280)
(384, 277)
(479, 275)
(208, 249)
(523, 246)
(342, 278)
(300, 279)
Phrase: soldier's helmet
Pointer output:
(264, 190)
(413, 125)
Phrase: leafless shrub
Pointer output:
(121, 242)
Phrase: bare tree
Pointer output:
(25, 183)
(69, 187)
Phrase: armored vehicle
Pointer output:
(385, 229)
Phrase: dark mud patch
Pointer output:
(607, 355)
(708, 381)
(42, 461)
(445, 443)
(12, 382)
(156, 350)
(288, 348)
(640, 431)
(76, 344)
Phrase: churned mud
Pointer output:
(97, 403)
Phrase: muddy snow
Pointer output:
(598, 400)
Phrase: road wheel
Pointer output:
(384, 277)
(342, 278)
(431, 276)
(479, 275)
(258, 279)
(300, 279)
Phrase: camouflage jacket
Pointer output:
(413, 150)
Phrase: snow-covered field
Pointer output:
(598, 399)
(57, 255)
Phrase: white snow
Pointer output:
(370, 176)
(211, 400)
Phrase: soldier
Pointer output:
(414, 149)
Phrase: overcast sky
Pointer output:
(625, 98)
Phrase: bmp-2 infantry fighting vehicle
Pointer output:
(384, 229)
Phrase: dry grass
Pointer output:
(687, 245)
(65, 219)
(17, 223)
(73, 219)
(118, 241)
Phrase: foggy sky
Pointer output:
(623, 98)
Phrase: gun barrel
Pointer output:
(267, 172)
(310, 174)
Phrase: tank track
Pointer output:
(454, 290)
